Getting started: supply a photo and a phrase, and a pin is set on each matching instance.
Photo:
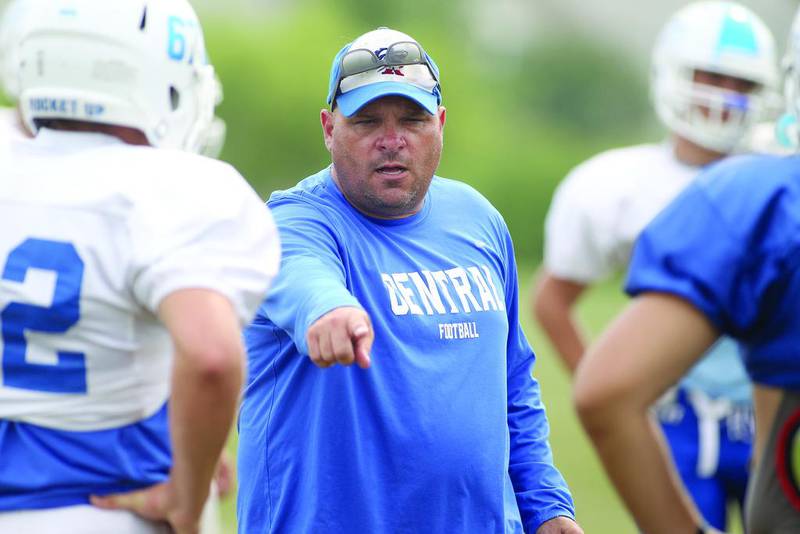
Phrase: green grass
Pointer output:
(599, 509)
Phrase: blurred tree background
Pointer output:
(516, 122)
(532, 88)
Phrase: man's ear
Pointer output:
(326, 119)
(442, 115)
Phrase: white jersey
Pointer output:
(601, 207)
(95, 234)
(596, 215)
(11, 128)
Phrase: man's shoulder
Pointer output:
(459, 193)
(618, 164)
(175, 165)
(93, 155)
(604, 182)
(310, 190)
(755, 198)
(750, 181)
(742, 170)
(152, 182)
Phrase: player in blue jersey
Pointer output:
(127, 267)
(439, 427)
(724, 258)
(709, 55)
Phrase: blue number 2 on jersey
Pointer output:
(69, 374)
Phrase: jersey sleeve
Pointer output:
(211, 233)
(718, 246)
(579, 236)
(540, 489)
(312, 281)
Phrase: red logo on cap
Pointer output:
(380, 54)
(393, 70)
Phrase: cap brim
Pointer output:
(355, 99)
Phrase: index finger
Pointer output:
(362, 346)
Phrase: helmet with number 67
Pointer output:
(12, 25)
(721, 38)
(135, 63)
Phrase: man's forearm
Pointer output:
(306, 290)
(653, 342)
(540, 490)
(564, 334)
(553, 303)
(202, 410)
(636, 459)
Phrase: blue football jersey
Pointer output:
(730, 245)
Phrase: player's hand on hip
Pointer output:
(560, 525)
(224, 475)
(156, 503)
(343, 335)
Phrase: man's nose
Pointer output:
(392, 138)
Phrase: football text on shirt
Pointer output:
(450, 291)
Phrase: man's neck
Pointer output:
(692, 154)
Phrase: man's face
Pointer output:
(731, 83)
(722, 81)
(384, 156)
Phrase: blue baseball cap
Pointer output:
(417, 82)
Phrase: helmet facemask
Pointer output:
(724, 39)
(713, 117)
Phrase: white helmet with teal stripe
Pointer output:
(135, 63)
(717, 37)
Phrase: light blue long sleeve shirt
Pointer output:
(446, 431)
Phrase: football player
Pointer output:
(714, 71)
(127, 267)
(724, 258)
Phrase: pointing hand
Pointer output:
(343, 335)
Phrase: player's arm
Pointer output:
(310, 299)
(579, 249)
(207, 377)
(553, 306)
(647, 349)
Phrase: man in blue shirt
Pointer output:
(724, 258)
(440, 426)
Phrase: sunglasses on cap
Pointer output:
(398, 54)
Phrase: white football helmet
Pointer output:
(12, 25)
(723, 38)
(787, 127)
(135, 63)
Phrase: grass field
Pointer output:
(599, 510)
